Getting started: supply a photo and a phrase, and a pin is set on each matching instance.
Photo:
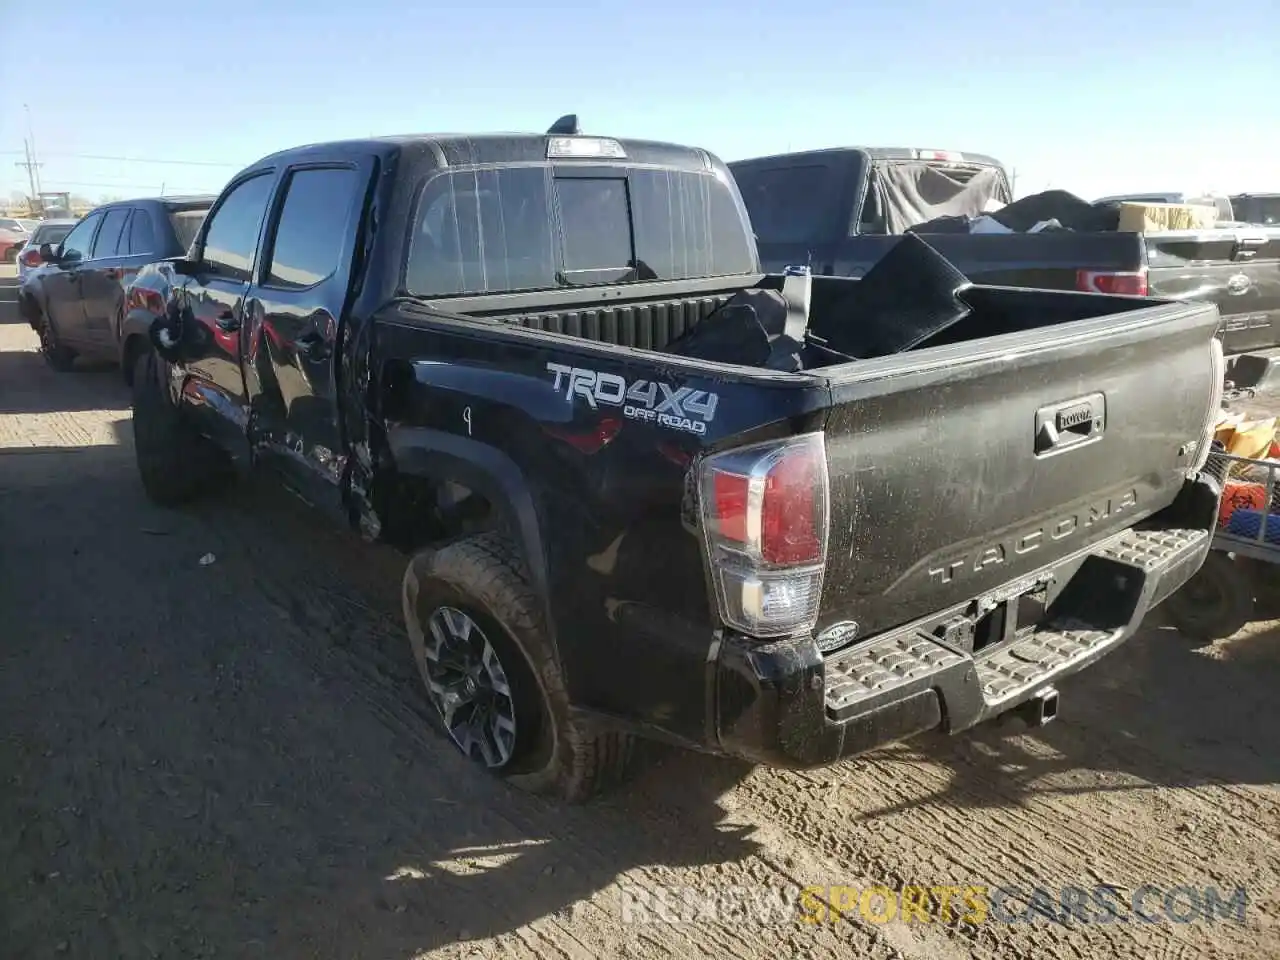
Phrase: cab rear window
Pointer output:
(534, 228)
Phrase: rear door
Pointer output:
(1237, 270)
(293, 313)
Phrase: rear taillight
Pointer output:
(1126, 283)
(31, 258)
(765, 511)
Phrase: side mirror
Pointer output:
(48, 254)
(185, 267)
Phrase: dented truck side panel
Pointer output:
(595, 445)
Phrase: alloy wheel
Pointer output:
(468, 685)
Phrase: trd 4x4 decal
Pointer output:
(679, 408)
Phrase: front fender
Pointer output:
(136, 323)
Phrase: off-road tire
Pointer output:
(556, 754)
(175, 462)
(1214, 603)
(57, 356)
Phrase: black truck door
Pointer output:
(294, 310)
(214, 299)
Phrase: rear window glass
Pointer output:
(52, 233)
(787, 204)
(142, 235)
(1261, 210)
(595, 218)
(186, 224)
(523, 228)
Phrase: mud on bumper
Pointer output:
(786, 704)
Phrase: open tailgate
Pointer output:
(956, 470)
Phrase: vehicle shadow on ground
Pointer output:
(232, 757)
(1158, 711)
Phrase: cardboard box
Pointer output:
(1158, 217)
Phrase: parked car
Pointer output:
(45, 231)
(841, 210)
(13, 234)
(478, 348)
(76, 301)
(1260, 208)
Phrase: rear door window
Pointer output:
(142, 234)
(312, 227)
(107, 243)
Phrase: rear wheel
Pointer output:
(58, 357)
(477, 635)
(175, 462)
(1214, 603)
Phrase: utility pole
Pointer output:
(31, 135)
(1013, 182)
(32, 177)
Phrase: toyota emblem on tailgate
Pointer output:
(1238, 284)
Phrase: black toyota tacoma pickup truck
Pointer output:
(486, 351)
(840, 210)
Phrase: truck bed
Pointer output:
(943, 486)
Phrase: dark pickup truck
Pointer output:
(477, 348)
(840, 210)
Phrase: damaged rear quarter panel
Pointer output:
(602, 439)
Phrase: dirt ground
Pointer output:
(232, 759)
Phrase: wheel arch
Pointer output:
(135, 337)
(440, 458)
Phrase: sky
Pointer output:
(1092, 96)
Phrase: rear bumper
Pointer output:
(786, 704)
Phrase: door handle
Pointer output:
(1064, 425)
(227, 322)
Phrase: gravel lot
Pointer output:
(232, 760)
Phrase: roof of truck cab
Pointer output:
(173, 202)
(461, 149)
(873, 153)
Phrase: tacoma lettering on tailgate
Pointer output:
(679, 408)
(1020, 544)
